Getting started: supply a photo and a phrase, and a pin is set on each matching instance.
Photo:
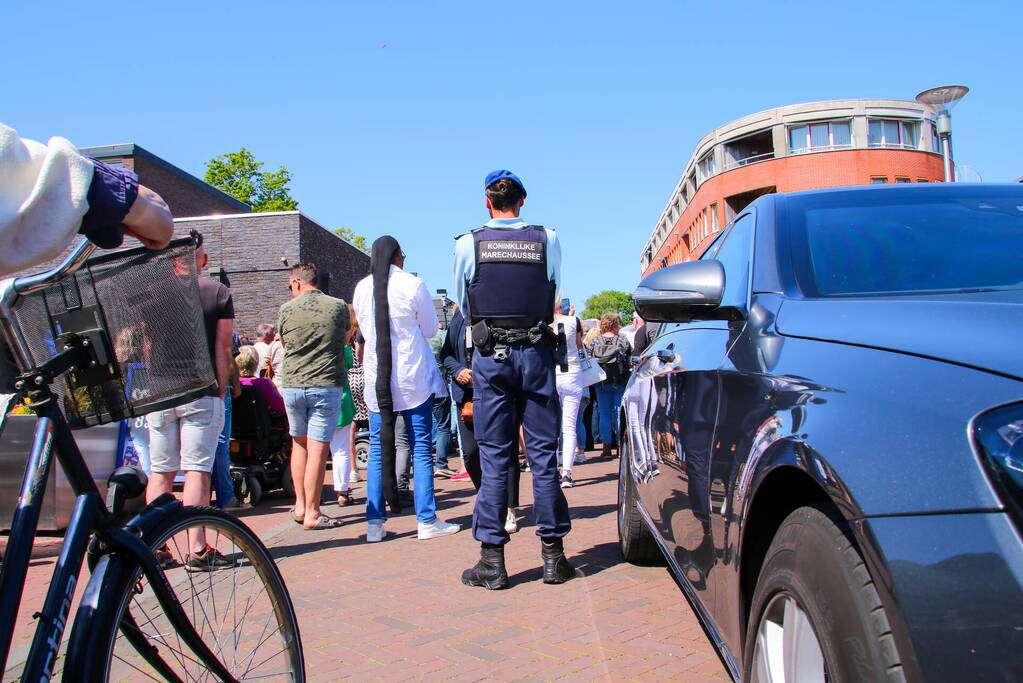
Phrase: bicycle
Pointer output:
(146, 610)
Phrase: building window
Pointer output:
(901, 179)
(935, 142)
(922, 180)
(820, 137)
(749, 150)
(892, 133)
(705, 167)
(878, 180)
(714, 217)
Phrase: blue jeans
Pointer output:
(609, 400)
(418, 424)
(222, 484)
(441, 430)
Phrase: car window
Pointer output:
(942, 239)
(733, 253)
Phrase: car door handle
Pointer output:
(665, 356)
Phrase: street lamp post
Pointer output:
(941, 100)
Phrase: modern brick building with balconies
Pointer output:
(798, 147)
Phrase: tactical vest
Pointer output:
(511, 287)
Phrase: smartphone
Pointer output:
(566, 306)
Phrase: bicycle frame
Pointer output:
(53, 437)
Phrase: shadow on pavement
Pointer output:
(317, 543)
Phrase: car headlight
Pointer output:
(998, 434)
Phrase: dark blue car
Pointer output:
(825, 441)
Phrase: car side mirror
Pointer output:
(680, 293)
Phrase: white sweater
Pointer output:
(43, 196)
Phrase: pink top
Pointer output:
(266, 387)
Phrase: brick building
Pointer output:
(250, 251)
(798, 147)
(255, 252)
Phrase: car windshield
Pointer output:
(939, 238)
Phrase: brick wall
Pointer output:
(331, 254)
(250, 248)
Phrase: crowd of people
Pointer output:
(497, 371)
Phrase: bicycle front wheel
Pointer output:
(233, 594)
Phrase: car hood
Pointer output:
(982, 330)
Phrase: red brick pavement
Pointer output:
(396, 610)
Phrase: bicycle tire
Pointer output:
(243, 656)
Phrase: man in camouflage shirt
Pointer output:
(313, 328)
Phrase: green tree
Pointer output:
(358, 240)
(240, 175)
(609, 301)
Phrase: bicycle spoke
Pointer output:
(139, 669)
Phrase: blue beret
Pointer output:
(494, 176)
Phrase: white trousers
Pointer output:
(341, 457)
(570, 392)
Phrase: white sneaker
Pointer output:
(353, 477)
(375, 532)
(511, 525)
(580, 458)
(438, 527)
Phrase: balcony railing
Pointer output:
(820, 148)
(736, 163)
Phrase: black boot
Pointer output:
(556, 568)
(489, 572)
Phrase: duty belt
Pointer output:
(533, 335)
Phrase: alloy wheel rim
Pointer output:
(787, 649)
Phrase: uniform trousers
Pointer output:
(521, 385)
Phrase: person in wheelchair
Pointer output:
(260, 450)
(247, 361)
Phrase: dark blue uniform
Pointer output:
(511, 292)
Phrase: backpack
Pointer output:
(609, 352)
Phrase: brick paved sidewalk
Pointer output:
(396, 610)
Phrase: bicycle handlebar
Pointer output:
(31, 283)
(12, 288)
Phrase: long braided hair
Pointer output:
(384, 249)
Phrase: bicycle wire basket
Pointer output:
(146, 303)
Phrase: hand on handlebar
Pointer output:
(149, 220)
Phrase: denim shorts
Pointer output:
(313, 411)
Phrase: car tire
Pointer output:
(635, 540)
(816, 615)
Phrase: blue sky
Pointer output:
(389, 114)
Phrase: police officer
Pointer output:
(507, 274)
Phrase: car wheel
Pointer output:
(816, 615)
(634, 537)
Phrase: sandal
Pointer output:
(296, 519)
(344, 498)
(324, 522)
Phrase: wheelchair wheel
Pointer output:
(255, 490)
(287, 483)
